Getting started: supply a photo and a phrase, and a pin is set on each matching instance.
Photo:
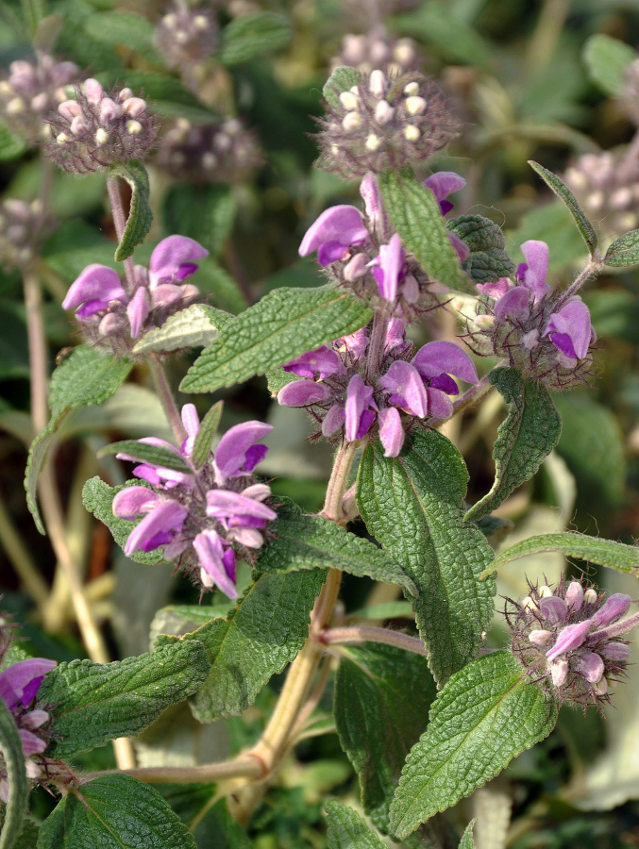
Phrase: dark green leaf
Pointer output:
(205, 213)
(93, 702)
(300, 541)
(206, 434)
(342, 78)
(416, 216)
(283, 325)
(252, 35)
(624, 251)
(564, 194)
(526, 436)
(146, 453)
(114, 812)
(29, 836)
(11, 749)
(347, 830)
(11, 146)
(606, 59)
(140, 217)
(382, 698)
(123, 28)
(413, 504)
(86, 377)
(488, 259)
(486, 714)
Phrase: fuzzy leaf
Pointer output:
(624, 251)
(140, 217)
(416, 216)
(526, 436)
(300, 541)
(413, 505)
(341, 79)
(11, 750)
(86, 377)
(114, 812)
(253, 35)
(603, 552)
(488, 259)
(145, 453)
(196, 325)
(283, 325)
(486, 714)
(11, 146)
(347, 830)
(382, 698)
(467, 841)
(606, 60)
(206, 434)
(564, 194)
(94, 702)
(204, 213)
(263, 633)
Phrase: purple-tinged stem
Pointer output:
(371, 634)
(376, 345)
(166, 398)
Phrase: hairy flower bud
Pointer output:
(185, 36)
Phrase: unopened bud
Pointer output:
(349, 100)
(384, 112)
(351, 121)
(134, 106)
(373, 142)
(411, 89)
(15, 106)
(101, 136)
(377, 83)
(411, 133)
(415, 105)
(133, 128)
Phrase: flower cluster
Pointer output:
(96, 130)
(21, 226)
(31, 90)
(384, 123)
(348, 402)
(207, 515)
(378, 50)
(542, 333)
(570, 639)
(226, 152)
(19, 685)
(112, 316)
(186, 36)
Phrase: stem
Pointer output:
(549, 26)
(342, 464)
(166, 397)
(376, 344)
(119, 220)
(38, 354)
(240, 767)
(372, 634)
(592, 268)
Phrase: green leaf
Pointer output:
(194, 326)
(263, 633)
(624, 251)
(11, 146)
(467, 841)
(123, 28)
(11, 749)
(413, 504)
(140, 217)
(206, 433)
(347, 830)
(145, 453)
(283, 325)
(416, 216)
(93, 702)
(488, 259)
(526, 436)
(28, 836)
(342, 78)
(97, 497)
(86, 377)
(564, 194)
(214, 280)
(606, 60)
(382, 698)
(205, 213)
(300, 541)
(603, 552)
(253, 35)
(114, 812)
(442, 28)
(487, 714)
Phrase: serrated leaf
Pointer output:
(566, 196)
(140, 216)
(624, 251)
(283, 325)
(205, 213)
(263, 633)
(486, 714)
(194, 326)
(11, 146)
(123, 28)
(156, 455)
(86, 377)
(97, 497)
(413, 505)
(488, 259)
(11, 750)
(91, 703)
(528, 434)
(347, 830)
(416, 216)
(603, 552)
(382, 698)
(206, 433)
(606, 60)
(253, 35)
(342, 78)
(114, 812)
(467, 841)
(298, 541)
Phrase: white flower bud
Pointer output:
(590, 596)
(62, 138)
(15, 106)
(384, 112)
(69, 109)
(351, 121)
(125, 94)
(349, 100)
(411, 133)
(209, 160)
(134, 106)
(377, 83)
(411, 89)
(101, 136)
(415, 105)
(373, 142)
(170, 20)
(201, 22)
(181, 36)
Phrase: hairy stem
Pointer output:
(376, 344)
(166, 397)
(119, 221)
(592, 268)
(372, 634)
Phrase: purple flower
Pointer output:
(239, 450)
(359, 409)
(387, 270)
(173, 260)
(92, 291)
(442, 184)
(333, 233)
(320, 363)
(569, 329)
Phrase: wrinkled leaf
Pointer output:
(467, 841)
(564, 194)
(347, 830)
(624, 251)
(342, 78)
(156, 455)
(206, 433)
(488, 259)
(140, 215)
(194, 326)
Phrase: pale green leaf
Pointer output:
(347, 830)
(606, 60)
(283, 325)
(11, 750)
(144, 452)
(487, 259)
(624, 251)
(486, 714)
(342, 78)
(194, 326)
(206, 434)
(140, 217)
(566, 196)
(252, 35)
(526, 436)
(467, 841)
